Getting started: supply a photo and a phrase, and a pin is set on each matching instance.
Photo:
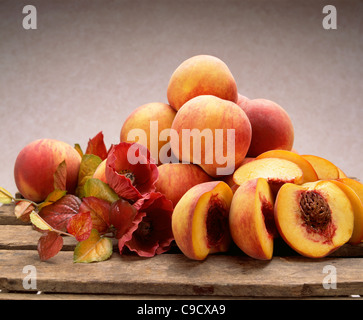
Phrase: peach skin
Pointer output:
(152, 118)
(272, 127)
(36, 164)
(201, 75)
(175, 179)
(218, 128)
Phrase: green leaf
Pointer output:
(89, 164)
(5, 196)
(99, 189)
(94, 249)
(37, 221)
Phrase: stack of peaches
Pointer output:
(235, 177)
(271, 190)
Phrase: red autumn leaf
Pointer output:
(23, 210)
(49, 244)
(58, 213)
(99, 210)
(151, 232)
(127, 236)
(122, 215)
(60, 176)
(130, 170)
(97, 146)
(80, 226)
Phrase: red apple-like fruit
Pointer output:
(36, 164)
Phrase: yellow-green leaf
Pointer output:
(5, 196)
(97, 188)
(88, 166)
(78, 149)
(94, 249)
(52, 197)
(37, 221)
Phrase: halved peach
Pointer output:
(200, 220)
(275, 170)
(341, 173)
(325, 169)
(355, 185)
(357, 206)
(251, 219)
(309, 173)
(229, 178)
(315, 219)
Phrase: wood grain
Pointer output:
(234, 275)
(7, 216)
(177, 275)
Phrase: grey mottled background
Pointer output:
(90, 63)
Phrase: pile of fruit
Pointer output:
(210, 168)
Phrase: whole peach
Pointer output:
(218, 128)
(272, 127)
(100, 172)
(36, 164)
(201, 75)
(175, 179)
(241, 99)
(149, 120)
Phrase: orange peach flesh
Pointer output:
(251, 219)
(341, 173)
(357, 188)
(309, 174)
(276, 171)
(325, 169)
(310, 232)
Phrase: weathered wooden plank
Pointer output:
(19, 237)
(24, 237)
(7, 215)
(80, 296)
(175, 274)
